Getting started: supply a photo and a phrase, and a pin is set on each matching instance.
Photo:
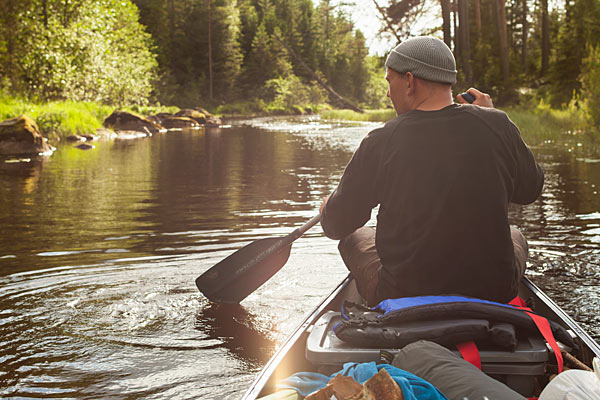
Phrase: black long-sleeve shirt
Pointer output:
(443, 180)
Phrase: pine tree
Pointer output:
(260, 61)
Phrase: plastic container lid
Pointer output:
(324, 347)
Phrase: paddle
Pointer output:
(235, 277)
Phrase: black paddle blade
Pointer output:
(244, 271)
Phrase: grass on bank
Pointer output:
(536, 123)
(543, 122)
(368, 115)
(58, 119)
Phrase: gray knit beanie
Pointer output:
(426, 57)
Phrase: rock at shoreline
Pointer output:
(197, 116)
(89, 137)
(211, 120)
(173, 122)
(21, 135)
(125, 121)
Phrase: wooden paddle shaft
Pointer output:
(312, 222)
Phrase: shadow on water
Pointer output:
(245, 335)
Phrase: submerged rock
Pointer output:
(125, 121)
(21, 135)
(84, 146)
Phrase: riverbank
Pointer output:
(61, 118)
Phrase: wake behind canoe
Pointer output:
(292, 356)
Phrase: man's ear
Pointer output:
(411, 82)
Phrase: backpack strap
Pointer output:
(543, 326)
(468, 351)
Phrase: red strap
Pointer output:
(469, 351)
(543, 326)
(517, 302)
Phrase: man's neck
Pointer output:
(433, 101)
(430, 96)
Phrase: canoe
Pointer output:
(292, 355)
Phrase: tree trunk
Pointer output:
(45, 13)
(446, 23)
(172, 23)
(465, 48)
(478, 18)
(502, 40)
(10, 43)
(525, 27)
(65, 12)
(455, 27)
(545, 37)
(210, 71)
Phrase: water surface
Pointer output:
(100, 249)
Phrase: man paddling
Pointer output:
(443, 175)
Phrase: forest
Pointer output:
(279, 56)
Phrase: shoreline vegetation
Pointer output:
(61, 118)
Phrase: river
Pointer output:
(100, 249)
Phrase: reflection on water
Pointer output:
(244, 335)
(100, 250)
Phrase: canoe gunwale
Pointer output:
(566, 320)
(269, 368)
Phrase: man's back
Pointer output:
(443, 180)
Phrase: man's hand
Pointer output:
(481, 99)
(323, 204)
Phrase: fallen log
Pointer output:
(340, 99)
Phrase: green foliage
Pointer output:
(290, 93)
(260, 61)
(590, 85)
(375, 91)
(381, 115)
(228, 56)
(95, 51)
(151, 109)
(542, 122)
(579, 28)
(57, 118)
(243, 107)
(245, 53)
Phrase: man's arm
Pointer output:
(529, 179)
(349, 206)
